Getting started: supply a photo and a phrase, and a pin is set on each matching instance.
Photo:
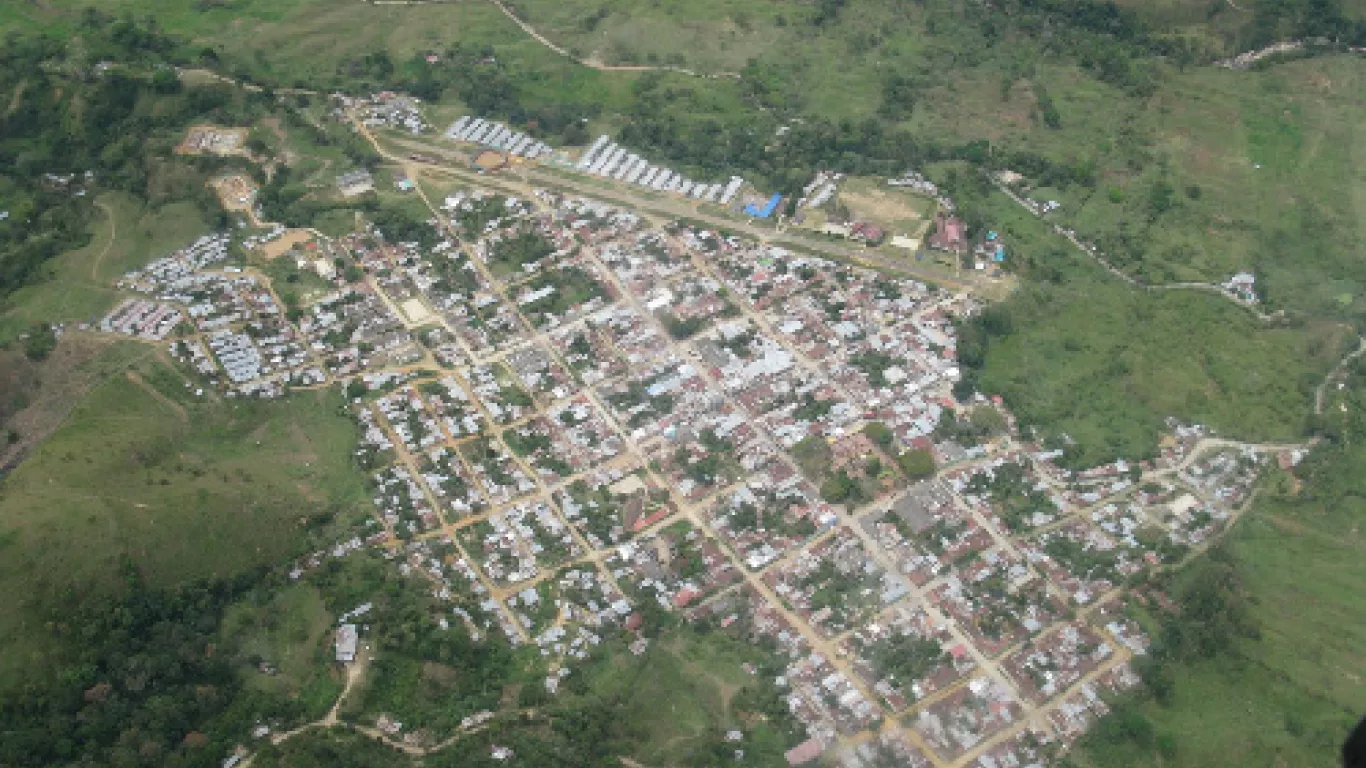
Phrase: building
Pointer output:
(868, 233)
(950, 234)
(805, 752)
(347, 640)
(767, 209)
(355, 183)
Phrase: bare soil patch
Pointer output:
(286, 242)
(237, 193)
(214, 140)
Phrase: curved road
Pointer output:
(1128, 278)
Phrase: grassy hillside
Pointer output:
(181, 487)
(1180, 170)
(1288, 688)
(1078, 353)
(78, 286)
(1107, 365)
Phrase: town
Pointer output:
(574, 417)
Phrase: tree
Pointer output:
(42, 339)
(918, 464)
(987, 420)
(838, 487)
(879, 433)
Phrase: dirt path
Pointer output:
(1100, 259)
(593, 63)
(157, 395)
(113, 235)
(1334, 375)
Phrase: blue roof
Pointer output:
(1000, 253)
(767, 210)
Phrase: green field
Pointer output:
(1106, 365)
(1078, 353)
(181, 487)
(687, 690)
(290, 631)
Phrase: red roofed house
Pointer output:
(950, 234)
(804, 752)
(685, 595)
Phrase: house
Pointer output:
(346, 643)
(950, 234)
(868, 233)
(906, 242)
(355, 183)
(804, 753)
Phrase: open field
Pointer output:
(1105, 363)
(36, 397)
(180, 487)
(290, 632)
(896, 210)
(684, 692)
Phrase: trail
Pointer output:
(156, 394)
(1095, 255)
(354, 672)
(534, 34)
(1338, 370)
(113, 235)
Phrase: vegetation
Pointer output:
(69, 126)
(1244, 672)
(138, 677)
(1100, 367)
(917, 463)
(330, 748)
(907, 658)
(182, 489)
(1179, 171)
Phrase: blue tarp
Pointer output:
(768, 208)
